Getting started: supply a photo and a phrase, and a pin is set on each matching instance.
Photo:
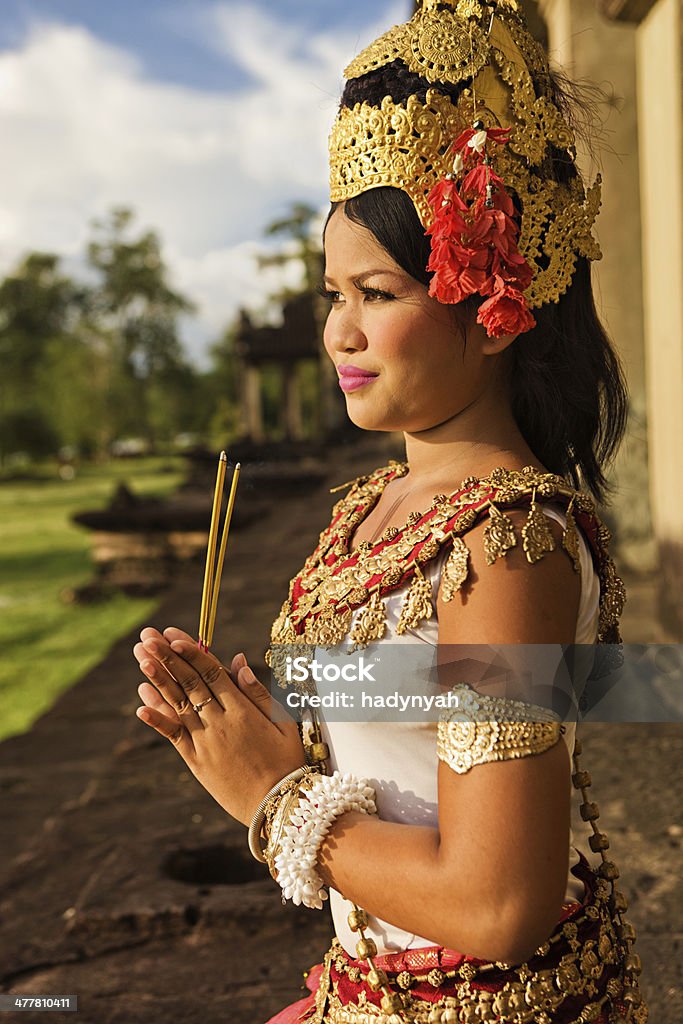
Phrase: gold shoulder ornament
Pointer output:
(483, 728)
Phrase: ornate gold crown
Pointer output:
(487, 49)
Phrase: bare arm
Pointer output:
(490, 881)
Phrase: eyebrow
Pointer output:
(365, 274)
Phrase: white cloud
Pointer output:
(84, 130)
(234, 274)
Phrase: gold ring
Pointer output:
(198, 707)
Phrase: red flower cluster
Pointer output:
(474, 240)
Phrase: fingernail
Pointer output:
(179, 647)
(149, 668)
(241, 660)
(151, 646)
(248, 676)
(142, 714)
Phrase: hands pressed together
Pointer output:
(219, 720)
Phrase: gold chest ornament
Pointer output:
(335, 582)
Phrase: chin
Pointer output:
(364, 420)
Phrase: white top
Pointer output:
(399, 758)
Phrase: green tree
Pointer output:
(297, 228)
(139, 313)
(38, 306)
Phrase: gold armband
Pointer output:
(482, 729)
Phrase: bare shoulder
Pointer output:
(513, 600)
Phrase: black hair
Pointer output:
(567, 388)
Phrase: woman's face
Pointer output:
(414, 370)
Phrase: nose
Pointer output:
(343, 332)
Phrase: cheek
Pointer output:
(327, 335)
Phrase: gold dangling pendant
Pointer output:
(499, 535)
(371, 623)
(570, 539)
(417, 605)
(329, 628)
(456, 569)
(537, 537)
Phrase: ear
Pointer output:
(490, 346)
(494, 346)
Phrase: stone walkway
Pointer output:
(121, 881)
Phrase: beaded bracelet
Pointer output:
(325, 798)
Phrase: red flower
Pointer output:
(506, 312)
(478, 178)
(458, 272)
(475, 238)
(513, 267)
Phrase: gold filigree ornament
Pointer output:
(537, 537)
(438, 45)
(371, 622)
(329, 628)
(570, 539)
(499, 535)
(280, 655)
(417, 605)
(455, 570)
(492, 59)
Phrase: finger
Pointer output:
(198, 674)
(171, 691)
(151, 698)
(261, 699)
(255, 691)
(172, 633)
(205, 666)
(150, 633)
(236, 664)
(175, 635)
(175, 732)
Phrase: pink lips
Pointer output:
(352, 377)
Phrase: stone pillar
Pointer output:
(660, 107)
(588, 47)
(253, 410)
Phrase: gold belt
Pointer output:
(573, 978)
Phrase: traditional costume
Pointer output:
(461, 160)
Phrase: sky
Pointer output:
(207, 118)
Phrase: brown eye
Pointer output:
(377, 293)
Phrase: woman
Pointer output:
(457, 210)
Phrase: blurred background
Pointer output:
(163, 185)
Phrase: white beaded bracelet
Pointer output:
(254, 834)
(325, 799)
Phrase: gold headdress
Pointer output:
(486, 49)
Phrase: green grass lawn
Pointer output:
(46, 645)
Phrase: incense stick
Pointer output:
(221, 557)
(207, 589)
